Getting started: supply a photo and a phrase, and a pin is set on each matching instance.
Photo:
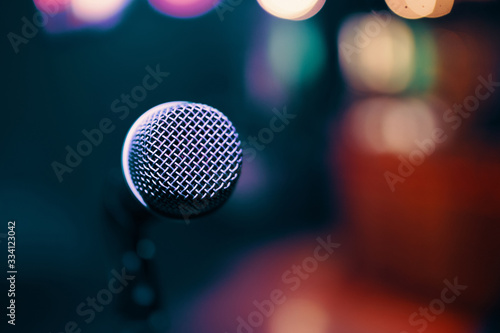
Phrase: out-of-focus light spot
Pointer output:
(183, 8)
(143, 295)
(52, 7)
(384, 125)
(400, 8)
(415, 9)
(296, 52)
(131, 261)
(292, 9)
(254, 176)
(290, 56)
(262, 85)
(146, 249)
(430, 8)
(377, 53)
(426, 59)
(94, 11)
(300, 316)
(73, 15)
(443, 8)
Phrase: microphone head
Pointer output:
(182, 159)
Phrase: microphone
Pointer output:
(182, 159)
(179, 160)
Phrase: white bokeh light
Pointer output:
(292, 9)
(93, 11)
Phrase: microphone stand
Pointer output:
(128, 221)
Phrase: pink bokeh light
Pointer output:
(52, 7)
(183, 8)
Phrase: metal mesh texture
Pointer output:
(185, 160)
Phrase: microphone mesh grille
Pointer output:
(185, 160)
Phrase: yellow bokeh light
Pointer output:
(377, 56)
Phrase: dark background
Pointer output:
(60, 84)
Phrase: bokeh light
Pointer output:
(425, 74)
(389, 125)
(292, 9)
(430, 8)
(399, 7)
(415, 9)
(73, 15)
(146, 249)
(183, 8)
(94, 11)
(52, 7)
(296, 52)
(291, 58)
(377, 53)
(300, 316)
(262, 86)
(254, 179)
(143, 295)
(131, 261)
(442, 8)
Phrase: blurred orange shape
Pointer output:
(422, 7)
(401, 8)
(415, 9)
(442, 8)
(300, 316)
